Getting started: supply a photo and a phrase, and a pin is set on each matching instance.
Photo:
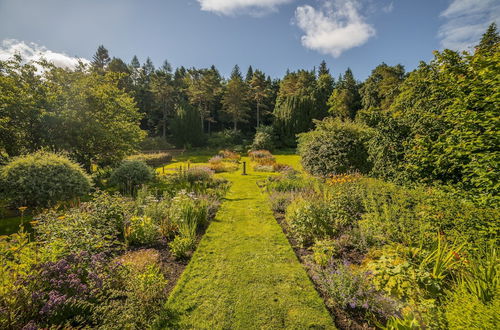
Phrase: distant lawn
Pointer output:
(244, 273)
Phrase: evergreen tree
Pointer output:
(489, 39)
(163, 91)
(260, 91)
(249, 75)
(235, 99)
(345, 101)
(101, 59)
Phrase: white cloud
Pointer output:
(466, 21)
(389, 8)
(33, 52)
(335, 28)
(237, 7)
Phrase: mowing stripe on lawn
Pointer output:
(244, 274)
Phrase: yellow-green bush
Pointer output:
(43, 179)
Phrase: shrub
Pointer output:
(263, 168)
(198, 174)
(181, 246)
(229, 155)
(95, 226)
(141, 294)
(289, 182)
(280, 201)
(323, 251)
(155, 143)
(130, 175)
(152, 159)
(334, 147)
(310, 219)
(263, 139)
(141, 230)
(43, 179)
(467, 311)
(262, 157)
(352, 291)
(226, 138)
(188, 213)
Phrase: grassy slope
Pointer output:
(244, 273)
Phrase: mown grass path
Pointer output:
(244, 274)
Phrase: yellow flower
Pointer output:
(23, 208)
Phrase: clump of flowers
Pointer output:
(344, 178)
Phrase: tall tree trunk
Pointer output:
(201, 118)
(235, 123)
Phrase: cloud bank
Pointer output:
(334, 28)
(466, 21)
(242, 7)
(34, 52)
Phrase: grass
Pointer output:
(244, 274)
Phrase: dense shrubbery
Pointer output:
(334, 147)
(152, 159)
(79, 272)
(385, 253)
(264, 138)
(42, 179)
(130, 175)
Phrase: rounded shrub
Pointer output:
(335, 147)
(130, 175)
(263, 139)
(42, 179)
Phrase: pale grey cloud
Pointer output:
(242, 7)
(466, 21)
(333, 28)
(33, 52)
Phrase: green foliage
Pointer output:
(186, 126)
(154, 143)
(225, 139)
(334, 147)
(95, 226)
(263, 139)
(130, 175)
(235, 99)
(140, 294)
(323, 251)
(43, 179)
(181, 246)
(189, 214)
(467, 311)
(152, 159)
(141, 230)
(345, 101)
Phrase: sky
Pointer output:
(271, 35)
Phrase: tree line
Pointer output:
(436, 123)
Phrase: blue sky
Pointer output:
(272, 35)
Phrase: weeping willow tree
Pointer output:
(186, 126)
(294, 115)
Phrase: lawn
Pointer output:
(244, 274)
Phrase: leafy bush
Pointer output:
(280, 201)
(262, 157)
(263, 139)
(95, 226)
(130, 175)
(152, 159)
(334, 147)
(155, 143)
(188, 213)
(323, 251)
(225, 139)
(467, 311)
(229, 155)
(43, 179)
(352, 291)
(141, 295)
(225, 161)
(141, 230)
(182, 246)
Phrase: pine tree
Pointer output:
(101, 59)
(249, 74)
(490, 39)
(235, 99)
(260, 92)
(345, 101)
